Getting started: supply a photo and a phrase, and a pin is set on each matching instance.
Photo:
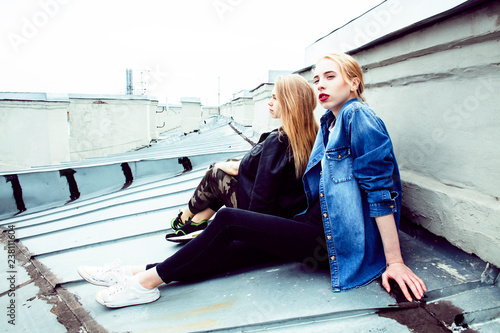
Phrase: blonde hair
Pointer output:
(298, 101)
(349, 69)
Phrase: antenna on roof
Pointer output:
(130, 83)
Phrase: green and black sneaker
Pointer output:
(176, 222)
(187, 232)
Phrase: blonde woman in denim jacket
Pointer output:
(353, 173)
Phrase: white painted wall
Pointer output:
(190, 114)
(106, 126)
(44, 129)
(437, 89)
(243, 110)
(153, 119)
(262, 121)
(161, 117)
(33, 133)
(208, 111)
(172, 118)
(226, 110)
(389, 17)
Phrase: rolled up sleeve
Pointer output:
(382, 202)
(373, 165)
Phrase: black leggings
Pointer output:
(215, 250)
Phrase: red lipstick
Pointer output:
(323, 97)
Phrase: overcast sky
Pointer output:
(181, 47)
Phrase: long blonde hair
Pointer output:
(350, 69)
(298, 101)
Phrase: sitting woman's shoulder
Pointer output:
(265, 135)
(280, 136)
(273, 135)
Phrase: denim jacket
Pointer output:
(353, 172)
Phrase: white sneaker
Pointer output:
(127, 293)
(107, 275)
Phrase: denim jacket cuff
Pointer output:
(382, 203)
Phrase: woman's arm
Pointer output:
(229, 167)
(396, 268)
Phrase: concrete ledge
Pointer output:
(466, 218)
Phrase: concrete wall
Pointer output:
(437, 88)
(161, 117)
(106, 126)
(33, 131)
(226, 110)
(190, 114)
(173, 118)
(153, 119)
(44, 129)
(208, 111)
(243, 110)
(240, 108)
(251, 110)
(262, 121)
(385, 20)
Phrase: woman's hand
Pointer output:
(396, 269)
(405, 278)
(229, 167)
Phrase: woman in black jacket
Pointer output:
(268, 178)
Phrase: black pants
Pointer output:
(218, 248)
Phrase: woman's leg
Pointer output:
(215, 190)
(149, 279)
(281, 237)
(204, 215)
(290, 239)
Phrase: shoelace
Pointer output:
(117, 287)
(109, 267)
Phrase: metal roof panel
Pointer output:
(109, 222)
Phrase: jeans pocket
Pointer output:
(340, 164)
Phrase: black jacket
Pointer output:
(266, 178)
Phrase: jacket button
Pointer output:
(329, 237)
(391, 206)
(332, 258)
(321, 195)
(339, 157)
(321, 173)
(325, 215)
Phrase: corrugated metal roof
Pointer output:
(110, 221)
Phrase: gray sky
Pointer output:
(181, 47)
